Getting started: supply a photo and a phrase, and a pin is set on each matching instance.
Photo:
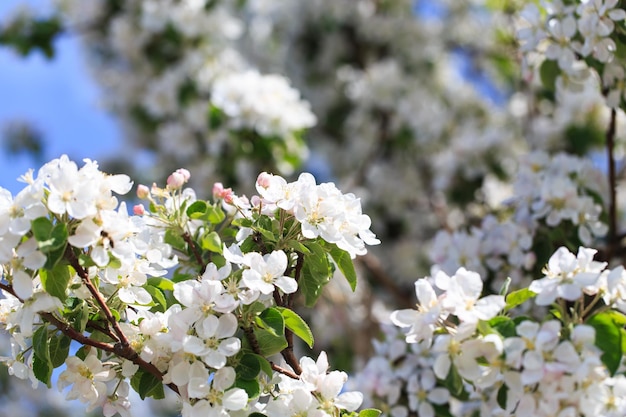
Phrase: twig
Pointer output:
(610, 148)
(288, 354)
(131, 355)
(284, 371)
(125, 349)
(195, 251)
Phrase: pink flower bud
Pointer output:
(228, 196)
(218, 189)
(185, 173)
(143, 191)
(175, 181)
(139, 209)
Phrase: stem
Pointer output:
(288, 354)
(116, 349)
(254, 343)
(610, 148)
(588, 308)
(195, 251)
(124, 350)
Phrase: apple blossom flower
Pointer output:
(266, 272)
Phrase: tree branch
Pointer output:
(82, 273)
(195, 251)
(610, 148)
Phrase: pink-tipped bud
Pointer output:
(185, 173)
(143, 191)
(264, 179)
(175, 181)
(218, 189)
(139, 210)
(228, 196)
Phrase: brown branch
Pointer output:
(92, 324)
(254, 344)
(82, 273)
(284, 371)
(195, 251)
(610, 148)
(288, 354)
(116, 349)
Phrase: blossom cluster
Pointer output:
(463, 354)
(82, 269)
(562, 191)
(579, 37)
(175, 75)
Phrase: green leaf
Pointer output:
(161, 283)
(454, 383)
(42, 228)
(268, 343)
(503, 325)
(50, 238)
(518, 297)
(157, 297)
(42, 370)
(56, 280)
(265, 365)
(251, 386)
(212, 242)
(271, 320)
(294, 244)
(197, 209)
(344, 263)
(147, 385)
(40, 343)
(242, 222)
(175, 240)
(502, 396)
(297, 325)
(549, 72)
(609, 337)
(248, 367)
(59, 349)
(215, 214)
(370, 412)
(271, 331)
(315, 273)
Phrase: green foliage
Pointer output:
(344, 263)
(370, 412)
(147, 385)
(26, 34)
(316, 273)
(270, 331)
(517, 298)
(297, 325)
(56, 280)
(549, 72)
(610, 337)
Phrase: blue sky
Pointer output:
(58, 97)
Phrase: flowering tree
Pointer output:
(500, 194)
(78, 268)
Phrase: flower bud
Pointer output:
(175, 181)
(218, 188)
(143, 191)
(139, 210)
